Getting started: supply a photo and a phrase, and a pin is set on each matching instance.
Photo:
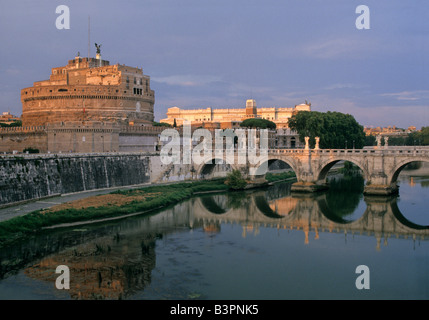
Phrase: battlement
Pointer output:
(27, 129)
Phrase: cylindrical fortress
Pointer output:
(90, 90)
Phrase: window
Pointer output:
(137, 91)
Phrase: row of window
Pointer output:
(138, 91)
(137, 81)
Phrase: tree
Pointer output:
(336, 130)
(17, 123)
(258, 123)
(419, 138)
(370, 140)
(235, 181)
(161, 124)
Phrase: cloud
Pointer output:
(12, 71)
(187, 80)
(413, 95)
(344, 86)
(352, 46)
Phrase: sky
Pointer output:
(218, 53)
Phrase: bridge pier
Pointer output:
(308, 187)
(378, 185)
(380, 190)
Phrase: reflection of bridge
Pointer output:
(309, 213)
(380, 167)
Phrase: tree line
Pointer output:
(336, 130)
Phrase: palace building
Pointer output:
(230, 118)
(212, 119)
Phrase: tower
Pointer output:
(251, 111)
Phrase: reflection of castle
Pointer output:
(107, 269)
(86, 106)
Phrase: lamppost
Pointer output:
(346, 144)
(353, 144)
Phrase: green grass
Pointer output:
(274, 177)
(33, 222)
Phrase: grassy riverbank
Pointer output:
(115, 204)
(276, 177)
(112, 205)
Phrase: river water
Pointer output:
(255, 245)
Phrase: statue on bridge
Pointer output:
(307, 146)
(316, 147)
(378, 139)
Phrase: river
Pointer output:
(253, 245)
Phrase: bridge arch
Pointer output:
(206, 169)
(351, 215)
(260, 168)
(212, 205)
(394, 174)
(326, 166)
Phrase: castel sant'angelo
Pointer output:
(86, 106)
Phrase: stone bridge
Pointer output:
(32, 176)
(380, 167)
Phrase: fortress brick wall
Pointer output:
(35, 176)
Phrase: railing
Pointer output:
(416, 152)
(405, 151)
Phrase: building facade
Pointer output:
(230, 118)
(211, 118)
(8, 118)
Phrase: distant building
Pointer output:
(230, 118)
(388, 131)
(8, 118)
(212, 118)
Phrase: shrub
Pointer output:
(235, 180)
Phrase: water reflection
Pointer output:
(116, 260)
